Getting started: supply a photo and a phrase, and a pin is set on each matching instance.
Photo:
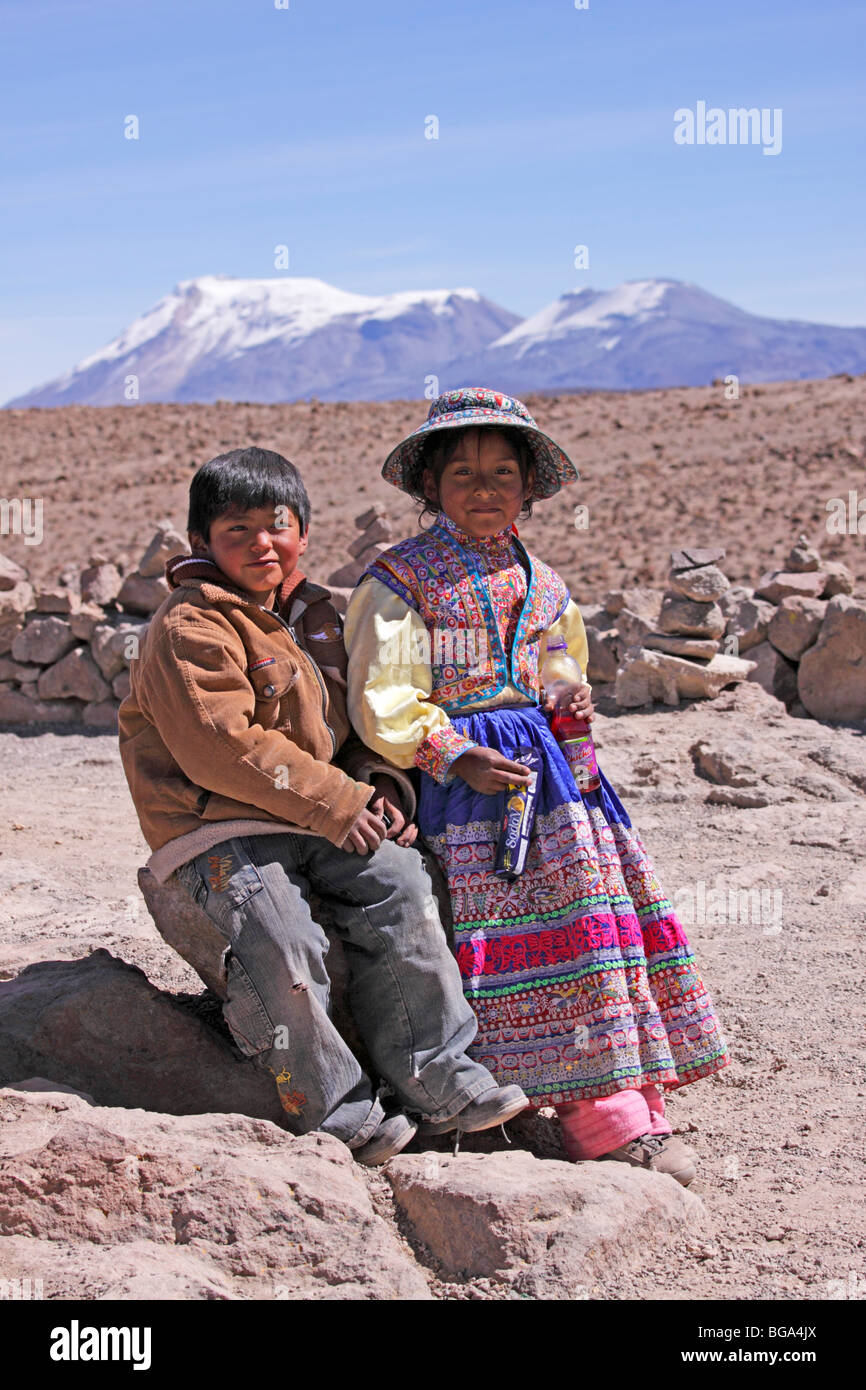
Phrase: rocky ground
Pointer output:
(658, 468)
(103, 1201)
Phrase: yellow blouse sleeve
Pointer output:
(390, 678)
(568, 628)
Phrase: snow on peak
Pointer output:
(633, 299)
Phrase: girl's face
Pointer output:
(481, 488)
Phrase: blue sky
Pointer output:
(305, 127)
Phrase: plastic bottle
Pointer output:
(561, 675)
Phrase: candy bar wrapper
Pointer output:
(518, 818)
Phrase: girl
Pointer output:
(585, 989)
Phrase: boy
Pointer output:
(228, 739)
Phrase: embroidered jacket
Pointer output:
(444, 624)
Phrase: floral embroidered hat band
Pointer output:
(472, 406)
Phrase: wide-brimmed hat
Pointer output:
(471, 406)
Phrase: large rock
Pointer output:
(379, 530)
(14, 603)
(696, 556)
(11, 670)
(774, 672)
(646, 603)
(120, 1204)
(75, 676)
(832, 675)
(749, 772)
(795, 625)
(646, 676)
(802, 558)
(11, 574)
(840, 580)
(139, 594)
(702, 648)
(100, 583)
(633, 627)
(99, 1025)
(86, 620)
(686, 617)
(603, 658)
(540, 1228)
(43, 641)
(166, 543)
(115, 645)
(21, 707)
(57, 600)
(779, 584)
(703, 584)
(748, 621)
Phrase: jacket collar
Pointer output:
(295, 594)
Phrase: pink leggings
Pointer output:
(591, 1128)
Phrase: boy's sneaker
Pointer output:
(661, 1153)
(491, 1108)
(393, 1134)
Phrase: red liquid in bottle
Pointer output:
(574, 738)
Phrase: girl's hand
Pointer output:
(579, 705)
(487, 771)
(386, 804)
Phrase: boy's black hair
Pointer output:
(441, 447)
(242, 480)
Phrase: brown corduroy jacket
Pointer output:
(236, 712)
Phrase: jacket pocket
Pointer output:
(273, 679)
(244, 1011)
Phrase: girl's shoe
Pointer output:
(489, 1109)
(661, 1153)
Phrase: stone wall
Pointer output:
(65, 650)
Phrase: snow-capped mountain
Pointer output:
(652, 333)
(290, 338)
(281, 340)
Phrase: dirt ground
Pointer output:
(659, 469)
(778, 1134)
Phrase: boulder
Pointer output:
(840, 580)
(748, 621)
(347, 576)
(779, 584)
(695, 556)
(14, 671)
(10, 573)
(139, 594)
(539, 1228)
(114, 645)
(703, 584)
(802, 558)
(832, 674)
(166, 543)
(686, 617)
(646, 675)
(603, 659)
(646, 603)
(119, 1204)
(633, 627)
(21, 707)
(121, 685)
(75, 676)
(85, 621)
(43, 641)
(100, 583)
(14, 603)
(379, 530)
(101, 715)
(99, 1025)
(58, 600)
(700, 648)
(795, 625)
(367, 518)
(774, 672)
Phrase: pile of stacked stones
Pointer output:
(65, 650)
(376, 536)
(799, 634)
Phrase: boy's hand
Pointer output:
(580, 704)
(488, 772)
(386, 803)
(367, 833)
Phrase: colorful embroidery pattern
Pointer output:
(437, 752)
(457, 582)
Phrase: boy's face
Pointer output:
(257, 549)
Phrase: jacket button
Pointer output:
(269, 690)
